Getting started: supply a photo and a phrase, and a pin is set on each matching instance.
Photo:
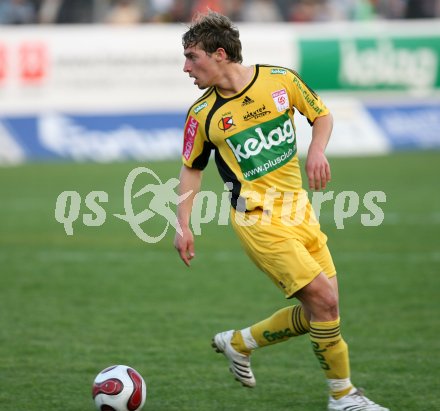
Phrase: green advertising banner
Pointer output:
(371, 63)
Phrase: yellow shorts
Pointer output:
(291, 255)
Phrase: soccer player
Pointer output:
(246, 117)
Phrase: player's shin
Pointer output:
(332, 353)
(282, 325)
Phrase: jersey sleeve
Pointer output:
(305, 100)
(196, 147)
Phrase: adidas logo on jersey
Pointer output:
(246, 101)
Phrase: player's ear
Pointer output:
(220, 54)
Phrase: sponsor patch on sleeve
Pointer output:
(189, 136)
(281, 100)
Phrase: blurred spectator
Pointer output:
(17, 12)
(49, 10)
(391, 9)
(233, 9)
(167, 11)
(161, 11)
(75, 11)
(304, 11)
(125, 12)
(261, 11)
(204, 5)
(340, 9)
(180, 11)
(284, 7)
(421, 9)
(365, 10)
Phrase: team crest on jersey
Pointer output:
(281, 100)
(226, 122)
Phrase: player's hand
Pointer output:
(184, 245)
(317, 169)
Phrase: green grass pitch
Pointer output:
(72, 305)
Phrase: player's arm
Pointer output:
(317, 165)
(190, 181)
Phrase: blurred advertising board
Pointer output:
(372, 63)
(95, 137)
(91, 67)
(101, 93)
(359, 129)
(409, 126)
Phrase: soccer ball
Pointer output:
(119, 388)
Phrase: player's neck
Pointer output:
(235, 79)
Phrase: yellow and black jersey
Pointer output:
(252, 133)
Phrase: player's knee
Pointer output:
(324, 305)
(330, 305)
(321, 299)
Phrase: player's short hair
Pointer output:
(211, 31)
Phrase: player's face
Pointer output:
(200, 66)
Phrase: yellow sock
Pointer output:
(282, 325)
(332, 353)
